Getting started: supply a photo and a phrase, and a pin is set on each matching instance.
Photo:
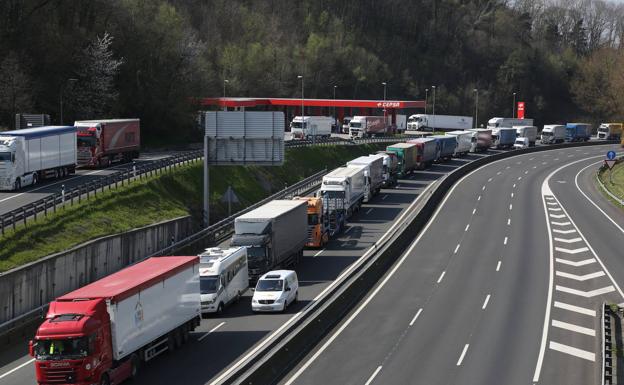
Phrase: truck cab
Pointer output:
(12, 166)
(318, 229)
(609, 131)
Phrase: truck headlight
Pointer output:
(88, 366)
(254, 301)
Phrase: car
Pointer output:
(275, 290)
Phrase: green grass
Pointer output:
(164, 197)
(616, 186)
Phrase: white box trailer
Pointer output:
(495, 123)
(464, 142)
(317, 126)
(553, 133)
(343, 189)
(30, 155)
(400, 123)
(427, 122)
(529, 132)
(373, 173)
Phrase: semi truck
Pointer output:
(578, 132)
(102, 142)
(529, 132)
(464, 142)
(496, 123)
(373, 173)
(390, 168)
(33, 154)
(400, 123)
(313, 126)
(503, 137)
(481, 139)
(274, 234)
(319, 231)
(446, 147)
(426, 151)
(610, 131)
(342, 191)
(345, 124)
(103, 332)
(425, 122)
(406, 154)
(553, 133)
(367, 126)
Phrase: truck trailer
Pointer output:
(464, 142)
(446, 147)
(426, 151)
(553, 133)
(274, 235)
(342, 191)
(373, 172)
(313, 126)
(529, 132)
(496, 123)
(425, 122)
(102, 142)
(503, 137)
(610, 131)
(103, 332)
(481, 139)
(390, 168)
(33, 154)
(406, 153)
(367, 126)
(578, 132)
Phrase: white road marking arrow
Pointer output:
(571, 240)
(586, 294)
(580, 277)
(571, 251)
(558, 216)
(563, 231)
(576, 264)
(561, 223)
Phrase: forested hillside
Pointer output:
(127, 58)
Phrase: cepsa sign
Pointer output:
(520, 110)
(389, 104)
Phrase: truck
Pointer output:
(342, 191)
(106, 141)
(313, 126)
(426, 122)
(373, 173)
(426, 151)
(345, 124)
(610, 131)
(464, 142)
(481, 139)
(446, 147)
(319, 231)
(503, 137)
(529, 132)
(274, 234)
(406, 154)
(103, 332)
(390, 168)
(496, 123)
(553, 133)
(400, 125)
(33, 154)
(368, 126)
(578, 132)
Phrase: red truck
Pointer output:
(101, 333)
(102, 142)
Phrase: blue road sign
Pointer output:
(611, 155)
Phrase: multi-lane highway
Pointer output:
(503, 286)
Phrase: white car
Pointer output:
(275, 290)
(521, 142)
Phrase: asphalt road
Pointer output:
(219, 341)
(479, 297)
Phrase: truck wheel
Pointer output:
(171, 345)
(134, 366)
(185, 334)
(34, 178)
(105, 380)
(220, 308)
(177, 335)
(18, 184)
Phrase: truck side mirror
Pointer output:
(31, 348)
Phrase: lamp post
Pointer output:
(335, 121)
(70, 80)
(303, 110)
(225, 81)
(476, 91)
(434, 94)
(513, 106)
(384, 84)
(426, 95)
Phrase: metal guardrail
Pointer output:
(52, 203)
(348, 142)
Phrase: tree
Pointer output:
(15, 89)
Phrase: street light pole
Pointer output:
(513, 106)
(426, 94)
(434, 94)
(303, 111)
(476, 91)
(335, 121)
(61, 96)
(224, 82)
(384, 84)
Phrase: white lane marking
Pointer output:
(383, 198)
(564, 231)
(571, 240)
(518, 162)
(557, 216)
(580, 277)
(510, 206)
(441, 276)
(554, 208)
(463, 354)
(572, 251)
(485, 303)
(584, 354)
(556, 159)
(586, 294)
(456, 248)
(467, 227)
(507, 168)
(561, 223)
(369, 211)
(531, 158)
(318, 253)
(544, 163)
(576, 309)
(483, 188)
(489, 180)
(349, 229)
(372, 377)
(505, 241)
(552, 203)
(211, 331)
(508, 221)
(16, 368)
(474, 211)
(498, 173)
(573, 328)
(415, 317)
(498, 265)
(584, 262)
(534, 166)
(526, 172)
(512, 195)
(519, 178)
(514, 185)
(479, 198)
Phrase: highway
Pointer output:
(490, 292)
(219, 341)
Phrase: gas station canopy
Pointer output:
(286, 102)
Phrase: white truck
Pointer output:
(400, 123)
(426, 122)
(373, 171)
(464, 142)
(342, 191)
(529, 132)
(368, 126)
(310, 126)
(274, 234)
(30, 155)
(553, 133)
(496, 123)
(223, 277)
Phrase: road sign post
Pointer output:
(610, 162)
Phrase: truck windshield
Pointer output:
(270, 285)
(255, 252)
(355, 124)
(208, 284)
(5, 156)
(86, 141)
(603, 129)
(70, 348)
(546, 133)
(313, 219)
(297, 125)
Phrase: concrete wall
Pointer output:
(28, 287)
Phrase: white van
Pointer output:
(275, 290)
(521, 142)
(223, 277)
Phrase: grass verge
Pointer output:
(615, 184)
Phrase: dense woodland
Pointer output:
(147, 58)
